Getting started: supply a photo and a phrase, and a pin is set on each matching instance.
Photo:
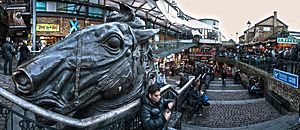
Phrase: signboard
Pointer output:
(288, 78)
(47, 27)
(74, 25)
(289, 40)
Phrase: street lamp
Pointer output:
(248, 25)
(236, 35)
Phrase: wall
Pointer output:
(284, 90)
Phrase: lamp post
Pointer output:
(236, 36)
(248, 25)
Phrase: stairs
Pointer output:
(231, 106)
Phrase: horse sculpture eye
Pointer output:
(114, 42)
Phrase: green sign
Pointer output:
(288, 40)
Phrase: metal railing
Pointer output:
(126, 117)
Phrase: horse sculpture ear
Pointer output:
(143, 35)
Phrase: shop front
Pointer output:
(52, 29)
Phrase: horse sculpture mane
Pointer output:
(92, 71)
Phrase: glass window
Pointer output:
(81, 9)
(62, 7)
(40, 6)
(94, 1)
(72, 9)
(95, 12)
(51, 6)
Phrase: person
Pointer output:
(194, 99)
(183, 80)
(151, 80)
(155, 111)
(8, 52)
(161, 79)
(24, 51)
(224, 75)
(237, 77)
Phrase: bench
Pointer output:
(279, 103)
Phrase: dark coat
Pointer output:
(183, 81)
(7, 51)
(152, 113)
(24, 51)
(224, 75)
(193, 97)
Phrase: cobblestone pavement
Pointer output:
(231, 107)
(6, 83)
(235, 115)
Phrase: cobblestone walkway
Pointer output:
(231, 106)
(6, 83)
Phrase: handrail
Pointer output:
(80, 123)
(86, 122)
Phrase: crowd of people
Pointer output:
(18, 51)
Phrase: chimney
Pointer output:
(275, 22)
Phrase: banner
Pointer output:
(47, 27)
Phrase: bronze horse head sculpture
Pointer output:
(91, 71)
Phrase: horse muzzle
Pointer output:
(23, 82)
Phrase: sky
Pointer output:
(233, 15)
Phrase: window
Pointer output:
(40, 6)
(94, 1)
(62, 7)
(71, 9)
(82, 9)
(51, 6)
(95, 12)
(266, 29)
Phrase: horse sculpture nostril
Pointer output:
(23, 83)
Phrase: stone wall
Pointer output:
(287, 92)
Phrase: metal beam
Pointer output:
(140, 7)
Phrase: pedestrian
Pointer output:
(183, 80)
(8, 52)
(224, 75)
(151, 80)
(161, 79)
(155, 111)
(24, 51)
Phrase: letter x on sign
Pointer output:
(75, 26)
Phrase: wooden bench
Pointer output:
(279, 103)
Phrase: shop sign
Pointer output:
(47, 27)
(74, 25)
(288, 78)
(288, 40)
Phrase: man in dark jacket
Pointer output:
(24, 51)
(8, 52)
(155, 112)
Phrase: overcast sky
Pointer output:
(234, 14)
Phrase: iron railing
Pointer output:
(124, 118)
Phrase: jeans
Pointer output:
(9, 62)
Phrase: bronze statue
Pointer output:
(92, 71)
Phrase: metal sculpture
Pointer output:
(92, 71)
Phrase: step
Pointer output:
(226, 85)
(228, 95)
(220, 82)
